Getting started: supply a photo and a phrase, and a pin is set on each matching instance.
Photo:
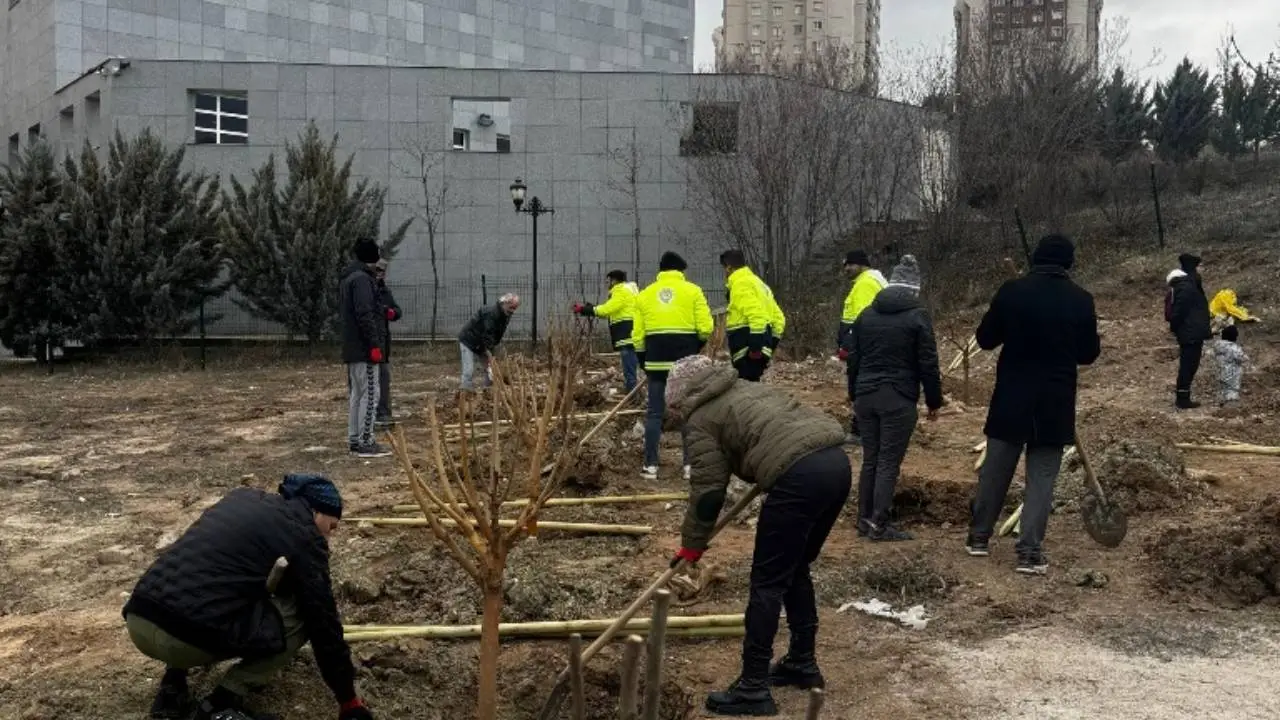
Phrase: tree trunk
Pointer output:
(435, 281)
(487, 704)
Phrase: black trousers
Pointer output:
(853, 414)
(384, 386)
(887, 421)
(1188, 365)
(796, 518)
(751, 370)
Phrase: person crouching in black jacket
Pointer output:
(205, 600)
(892, 353)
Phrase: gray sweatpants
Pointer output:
(1043, 464)
(887, 420)
(362, 406)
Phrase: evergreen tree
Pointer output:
(142, 251)
(1124, 117)
(286, 246)
(1262, 111)
(1184, 113)
(1231, 121)
(32, 314)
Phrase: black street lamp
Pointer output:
(534, 208)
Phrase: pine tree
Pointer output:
(1184, 112)
(31, 313)
(286, 246)
(1231, 120)
(1124, 117)
(142, 252)
(1262, 111)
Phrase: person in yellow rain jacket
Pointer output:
(619, 310)
(753, 318)
(671, 320)
(867, 284)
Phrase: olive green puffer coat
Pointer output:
(754, 431)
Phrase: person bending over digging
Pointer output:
(480, 337)
(795, 454)
(206, 600)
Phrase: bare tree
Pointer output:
(627, 161)
(426, 165)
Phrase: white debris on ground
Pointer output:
(913, 617)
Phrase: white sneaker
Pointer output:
(649, 472)
(688, 471)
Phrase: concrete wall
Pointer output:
(49, 43)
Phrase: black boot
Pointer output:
(1185, 402)
(745, 697)
(222, 704)
(173, 699)
(798, 668)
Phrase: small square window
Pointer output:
(461, 139)
(799, 10)
(756, 50)
(755, 10)
(221, 119)
(755, 31)
(817, 6)
(504, 143)
(1055, 31)
(1056, 14)
(776, 32)
(713, 130)
(817, 24)
(777, 11)
(797, 30)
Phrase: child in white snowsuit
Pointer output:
(1231, 363)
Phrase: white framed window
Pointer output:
(817, 6)
(775, 32)
(755, 11)
(799, 10)
(221, 119)
(999, 18)
(797, 30)
(777, 11)
(1055, 14)
(755, 31)
(461, 139)
(1037, 17)
(1055, 31)
(797, 50)
(817, 24)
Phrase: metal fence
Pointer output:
(458, 299)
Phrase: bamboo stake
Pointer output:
(458, 427)
(627, 698)
(559, 627)
(816, 701)
(657, 649)
(574, 502)
(1226, 441)
(411, 633)
(982, 459)
(980, 447)
(1011, 523)
(1241, 449)
(594, 528)
(577, 693)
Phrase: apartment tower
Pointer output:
(988, 25)
(768, 30)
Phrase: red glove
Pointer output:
(392, 314)
(843, 354)
(375, 355)
(354, 710)
(756, 355)
(577, 308)
(691, 556)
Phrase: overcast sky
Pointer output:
(1167, 28)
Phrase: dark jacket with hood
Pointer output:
(389, 311)
(1188, 308)
(1048, 327)
(892, 345)
(485, 329)
(209, 588)
(754, 431)
(362, 319)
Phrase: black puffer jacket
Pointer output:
(485, 329)
(1189, 309)
(209, 588)
(362, 323)
(1048, 327)
(892, 345)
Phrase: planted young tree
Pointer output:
(427, 167)
(463, 486)
(1184, 111)
(141, 250)
(285, 246)
(33, 317)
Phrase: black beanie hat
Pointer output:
(1230, 333)
(672, 261)
(317, 491)
(857, 257)
(1055, 250)
(367, 252)
(1188, 262)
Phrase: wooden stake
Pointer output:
(816, 701)
(1240, 449)
(592, 528)
(458, 427)
(577, 693)
(574, 502)
(1011, 522)
(657, 650)
(628, 698)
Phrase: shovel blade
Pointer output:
(1105, 522)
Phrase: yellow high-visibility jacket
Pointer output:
(671, 320)
(865, 287)
(753, 318)
(619, 310)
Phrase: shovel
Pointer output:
(558, 693)
(1105, 522)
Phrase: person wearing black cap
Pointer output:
(363, 347)
(671, 321)
(1186, 307)
(867, 283)
(205, 600)
(1048, 327)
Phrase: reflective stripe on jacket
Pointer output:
(671, 320)
(619, 310)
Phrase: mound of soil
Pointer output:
(1138, 476)
(1233, 561)
(570, 578)
(932, 501)
(602, 680)
(897, 577)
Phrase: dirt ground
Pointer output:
(103, 464)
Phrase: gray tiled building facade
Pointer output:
(49, 43)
